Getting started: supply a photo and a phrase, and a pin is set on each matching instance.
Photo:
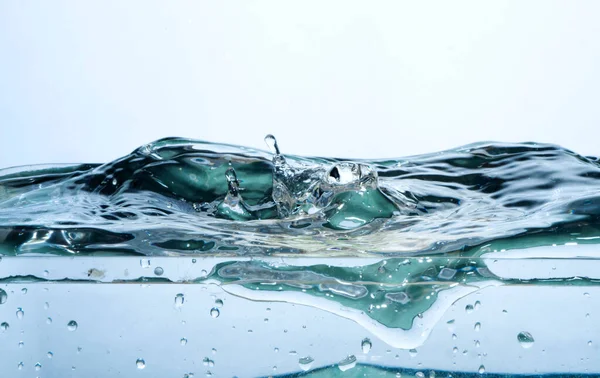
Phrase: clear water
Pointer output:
(188, 258)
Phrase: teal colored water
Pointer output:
(381, 256)
(185, 197)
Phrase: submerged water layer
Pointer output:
(182, 197)
(299, 317)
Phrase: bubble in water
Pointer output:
(140, 363)
(72, 325)
(347, 363)
(219, 303)
(20, 313)
(183, 341)
(481, 369)
(412, 352)
(179, 300)
(38, 366)
(214, 312)
(366, 345)
(477, 327)
(305, 363)
(145, 263)
(50, 355)
(3, 297)
(158, 271)
(469, 309)
(525, 339)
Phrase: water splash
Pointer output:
(179, 196)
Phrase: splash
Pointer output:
(179, 196)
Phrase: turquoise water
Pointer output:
(377, 255)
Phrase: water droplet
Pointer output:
(590, 343)
(4, 326)
(412, 353)
(50, 355)
(455, 350)
(49, 321)
(366, 345)
(305, 363)
(272, 144)
(145, 263)
(208, 362)
(454, 337)
(525, 339)
(158, 271)
(21, 344)
(114, 182)
(276, 350)
(193, 261)
(586, 294)
(38, 366)
(72, 325)
(214, 312)
(481, 369)
(469, 309)
(183, 341)
(3, 297)
(140, 363)
(347, 363)
(46, 273)
(20, 365)
(179, 300)
(420, 374)
(46, 305)
(20, 313)
(219, 303)
(24, 291)
(214, 351)
(477, 305)
(477, 327)
(477, 344)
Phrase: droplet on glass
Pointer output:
(525, 339)
(20, 313)
(140, 363)
(158, 271)
(305, 363)
(366, 345)
(72, 325)
(214, 312)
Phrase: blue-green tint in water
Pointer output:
(430, 230)
(178, 196)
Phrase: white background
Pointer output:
(91, 81)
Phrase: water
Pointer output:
(448, 263)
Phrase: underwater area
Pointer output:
(191, 259)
